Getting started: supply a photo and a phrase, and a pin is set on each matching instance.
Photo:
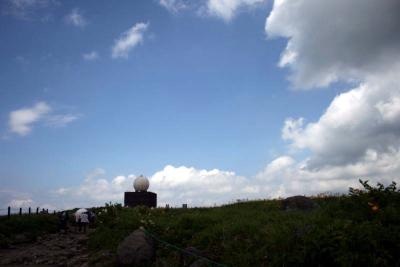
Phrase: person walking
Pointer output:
(84, 221)
(77, 221)
(63, 217)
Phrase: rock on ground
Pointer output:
(299, 203)
(137, 249)
(200, 263)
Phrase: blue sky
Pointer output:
(199, 87)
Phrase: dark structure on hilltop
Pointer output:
(133, 199)
(140, 197)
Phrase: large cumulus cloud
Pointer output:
(199, 187)
(358, 134)
(333, 40)
(173, 185)
(363, 120)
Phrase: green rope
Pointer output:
(182, 250)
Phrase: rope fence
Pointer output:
(184, 251)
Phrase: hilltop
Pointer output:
(361, 228)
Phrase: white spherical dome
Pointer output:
(141, 184)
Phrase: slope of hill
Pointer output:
(361, 228)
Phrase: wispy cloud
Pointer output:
(90, 56)
(227, 9)
(61, 120)
(129, 40)
(76, 18)
(173, 5)
(26, 9)
(223, 9)
(22, 121)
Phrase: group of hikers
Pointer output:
(82, 219)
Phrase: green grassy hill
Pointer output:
(361, 228)
(358, 229)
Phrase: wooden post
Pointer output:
(37, 210)
(29, 210)
(20, 211)
(9, 212)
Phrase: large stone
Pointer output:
(137, 249)
(200, 263)
(21, 238)
(298, 203)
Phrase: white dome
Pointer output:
(141, 184)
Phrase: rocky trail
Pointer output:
(60, 249)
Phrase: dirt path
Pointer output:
(69, 249)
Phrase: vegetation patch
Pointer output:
(25, 228)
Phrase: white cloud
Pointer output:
(173, 185)
(129, 40)
(336, 40)
(282, 177)
(76, 18)
(223, 9)
(21, 203)
(173, 6)
(21, 120)
(91, 56)
(95, 190)
(343, 40)
(177, 185)
(20, 199)
(26, 9)
(61, 120)
(285, 176)
(358, 135)
(227, 9)
(363, 119)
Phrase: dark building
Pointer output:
(140, 197)
(133, 199)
